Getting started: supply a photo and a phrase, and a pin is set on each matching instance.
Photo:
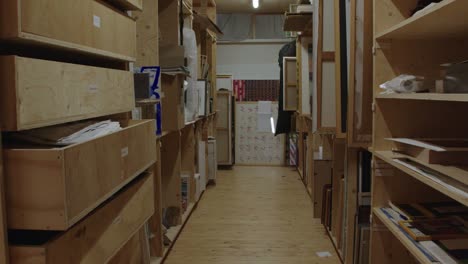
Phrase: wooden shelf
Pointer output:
(445, 20)
(426, 97)
(396, 231)
(147, 102)
(174, 232)
(454, 173)
(299, 22)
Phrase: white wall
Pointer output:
(249, 61)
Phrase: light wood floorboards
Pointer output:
(254, 215)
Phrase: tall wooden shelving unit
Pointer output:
(94, 185)
(122, 202)
(331, 153)
(179, 146)
(417, 44)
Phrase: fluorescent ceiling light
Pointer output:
(255, 3)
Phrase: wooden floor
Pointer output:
(254, 215)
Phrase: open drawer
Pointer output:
(36, 93)
(86, 26)
(53, 188)
(97, 238)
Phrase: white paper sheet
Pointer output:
(264, 107)
(264, 122)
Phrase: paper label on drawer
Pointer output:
(97, 21)
(124, 152)
(117, 220)
(93, 88)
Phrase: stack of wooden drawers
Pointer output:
(66, 61)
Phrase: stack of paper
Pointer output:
(93, 131)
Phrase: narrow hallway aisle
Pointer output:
(255, 215)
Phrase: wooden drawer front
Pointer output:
(36, 93)
(88, 26)
(52, 189)
(98, 237)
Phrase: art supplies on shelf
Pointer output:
(434, 151)
(429, 210)
(435, 229)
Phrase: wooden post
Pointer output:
(204, 7)
(147, 34)
(351, 201)
(3, 223)
(155, 222)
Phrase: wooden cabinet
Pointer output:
(85, 26)
(212, 170)
(324, 68)
(54, 188)
(37, 93)
(94, 240)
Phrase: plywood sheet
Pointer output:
(38, 93)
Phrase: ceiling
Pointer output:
(245, 6)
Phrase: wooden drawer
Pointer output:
(52, 189)
(86, 26)
(97, 238)
(36, 93)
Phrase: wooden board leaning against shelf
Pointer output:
(304, 69)
(290, 91)
(338, 208)
(3, 217)
(360, 79)
(324, 104)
